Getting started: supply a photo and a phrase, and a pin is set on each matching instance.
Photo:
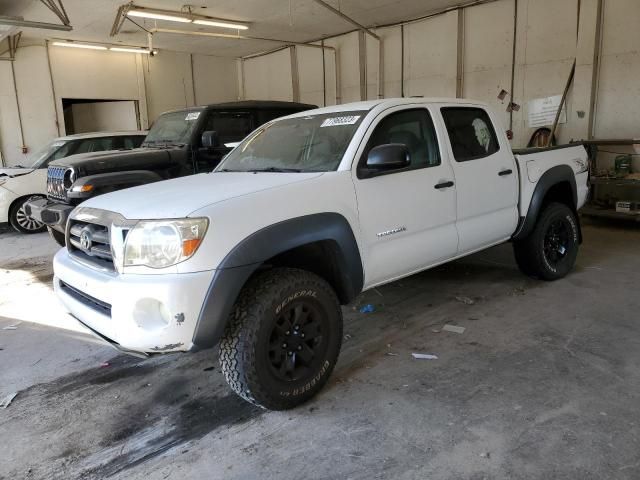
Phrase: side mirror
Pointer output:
(210, 139)
(391, 156)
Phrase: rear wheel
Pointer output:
(283, 338)
(57, 236)
(550, 251)
(20, 221)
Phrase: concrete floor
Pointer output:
(544, 383)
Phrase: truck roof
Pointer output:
(80, 136)
(258, 104)
(251, 105)
(387, 103)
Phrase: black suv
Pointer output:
(181, 142)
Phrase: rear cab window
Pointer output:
(471, 133)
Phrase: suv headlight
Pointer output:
(163, 243)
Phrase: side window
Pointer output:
(95, 145)
(471, 133)
(64, 151)
(231, 127)
(133, 142)
(413, 128)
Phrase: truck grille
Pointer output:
(88, 300)
(90, 243)
(55, 182)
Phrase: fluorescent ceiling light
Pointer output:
(79, 45)
(157, 16)
(216, 23)
(130, 50)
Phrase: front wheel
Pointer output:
(20, 221)
(550, 251)
(283, 338)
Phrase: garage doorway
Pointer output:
(90, 115)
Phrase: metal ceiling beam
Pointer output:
(20, 22)
(57, 7)
(12, 41)
(123, 11)
(347, 18)
(121, 16)
(233, 37)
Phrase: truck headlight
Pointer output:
(163, 243)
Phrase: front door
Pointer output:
(407, 216)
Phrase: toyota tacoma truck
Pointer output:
(182, 142)
(303, 215)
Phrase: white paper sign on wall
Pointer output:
(542, 111)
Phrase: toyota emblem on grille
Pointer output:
(85, 240)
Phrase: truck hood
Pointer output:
(179, 197)
(14, 172)
(117, 160)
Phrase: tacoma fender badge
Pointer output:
(391, 232)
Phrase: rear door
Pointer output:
(407, 216)
(486, 178)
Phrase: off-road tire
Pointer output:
(19, 220)
(530, 252)
(245, 354)
(57, 236)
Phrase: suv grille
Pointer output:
(55, 182)
(91, 243)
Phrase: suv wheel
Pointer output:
(57, 236)
(550, 251)
(283, 338)
(20, 221)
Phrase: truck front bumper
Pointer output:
(50, 213)
(135, 313)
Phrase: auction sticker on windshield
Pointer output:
(192, 116)
(335, 121)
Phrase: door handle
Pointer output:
(502, 173)
(443, 185)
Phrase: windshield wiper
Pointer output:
(275, 169)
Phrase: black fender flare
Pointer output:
(112, 181)
(553, 176)
(252, 252)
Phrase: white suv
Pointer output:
(20, 183)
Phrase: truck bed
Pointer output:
(534, 162)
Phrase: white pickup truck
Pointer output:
(303, 215)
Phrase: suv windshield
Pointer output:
(174, 128)
(314, 143)
(39, 158)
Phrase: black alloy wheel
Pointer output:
(556, 240)
(296, 346)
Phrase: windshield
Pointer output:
(314, 143)
(39, 158)
(173, 128)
